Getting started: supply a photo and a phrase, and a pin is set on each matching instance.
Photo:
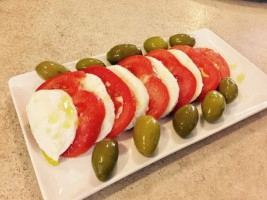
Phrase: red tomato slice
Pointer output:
(210, 75)
(91, 111)
(69, 82)
(116, 88)
(217, 60)
(186, 80)
(141, 67)
(204, 59)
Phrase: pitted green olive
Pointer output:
(104, 158)
(155, 43)
(213, 106)
(182, 39)
(146, 134)
(86, 62)
(229, 89)
(49, 69)
(185, 120)
(119, 52)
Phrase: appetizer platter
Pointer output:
(109, 108)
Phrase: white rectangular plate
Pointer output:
(74, 178)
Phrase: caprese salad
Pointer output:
(71, 111)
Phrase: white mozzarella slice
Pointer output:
(94, 84)
(170, 82)
(138, 89)
(189, 64)
(53, 120)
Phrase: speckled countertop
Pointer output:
(231, 164)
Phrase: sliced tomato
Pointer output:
(91, 112)
(90, 108)
(141, 67)
(186, 80)
(158, 96)
(69, 82)
(121, 96)
(210, 75)
(218, 61)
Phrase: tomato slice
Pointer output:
(206, 60)
(186, 80)
(217, 60)
(69, 82)
(210, 75)
(121, 96)
(141, 67)
(91, 111)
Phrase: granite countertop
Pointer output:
(231, 164)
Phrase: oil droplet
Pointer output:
(53, 118)
(232, 67)
(145, 78)
(203, 73)
(106, 98)
(188, 61)
(76, 123)
(57, 141)
(170, 68)
(216, 65)
(240, 78)
(119, 99)
(50, 160)
(107, 84)
(56, 136)
(35, 100)
(67, 125)
(240, 96)
(48, 130)
(65, 106)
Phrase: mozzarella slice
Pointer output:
(138, 89)
(53, 120)
(190, 65)
(94, 84)
(170, 82)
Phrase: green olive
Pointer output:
(104, 158)
(86, 62)
(213, 106)
(49, 69)
(182, 39)
(146, 134)
(229, 89)
(185, 120)
(155, 43)
(121, 51)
